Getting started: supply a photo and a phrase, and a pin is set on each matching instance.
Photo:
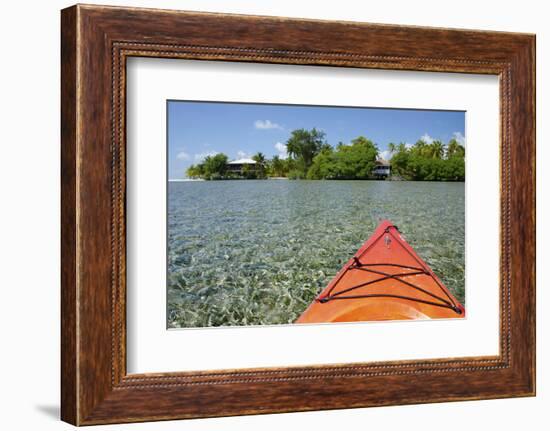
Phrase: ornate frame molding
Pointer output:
(96, 41)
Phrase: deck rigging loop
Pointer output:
(438, 301)
(445, 300)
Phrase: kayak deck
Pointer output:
(384, 280)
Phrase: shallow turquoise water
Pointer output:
(258, 252)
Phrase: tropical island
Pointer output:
(311, 157)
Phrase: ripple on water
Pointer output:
(258, 252)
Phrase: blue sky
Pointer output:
(197, 129)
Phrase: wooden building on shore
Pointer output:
(382, 169)
(241, 166)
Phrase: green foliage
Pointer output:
(215, 166)
(311, 157)
(430, 162)
(354, 161)
(296, 174)
(212, 168)
(195, 171)
(261, 165)
(278, 167)
(455, 149)
(303, 145)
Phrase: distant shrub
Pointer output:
(296, 174)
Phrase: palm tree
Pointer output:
(402, 148)
(437, 149)
(420, 148)
(277, 166)
(303, 145)
(259, 158)
(391, 147)
(454, 148)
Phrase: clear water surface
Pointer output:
(258, 252)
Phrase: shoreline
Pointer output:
(330, 180)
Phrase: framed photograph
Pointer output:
(264, 214)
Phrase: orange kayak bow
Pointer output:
(385, 280)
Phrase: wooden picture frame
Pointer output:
(95, 43)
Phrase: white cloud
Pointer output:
(281, 148)
(243, 155)
(266, 124)
(386, 155)
(201, 156)
(182, 155)
(459, 138)
(427, 138)
(408, 146)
